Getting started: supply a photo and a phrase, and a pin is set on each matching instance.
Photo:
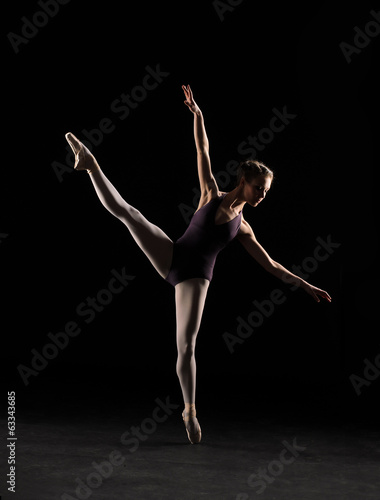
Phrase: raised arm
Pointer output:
(253, 247)
(206, 179)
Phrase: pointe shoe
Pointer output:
(84, 159)
(193, 429)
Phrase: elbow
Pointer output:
(117, 210)
(272, 267)
(203, 149)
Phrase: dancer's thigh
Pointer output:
(190, 300)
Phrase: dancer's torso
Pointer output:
(194, 254)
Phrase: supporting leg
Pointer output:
(190, 299)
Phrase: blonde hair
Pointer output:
(250, 169)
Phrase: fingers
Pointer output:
(327, 297)
(188, 91)
(323, 294)
(317, 292)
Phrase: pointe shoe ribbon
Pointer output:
(84, 160)
(193, 429)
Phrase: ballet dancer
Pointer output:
(188, 263)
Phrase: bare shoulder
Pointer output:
(208, 194)
(245, 228)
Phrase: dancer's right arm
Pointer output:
(209, 187)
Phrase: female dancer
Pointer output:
(188, 263)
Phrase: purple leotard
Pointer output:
(194, 254)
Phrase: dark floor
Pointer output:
(331, 458)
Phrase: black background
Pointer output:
(61, 244)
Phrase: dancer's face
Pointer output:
(255, 191)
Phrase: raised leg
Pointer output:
(190, 298)
(156, 245)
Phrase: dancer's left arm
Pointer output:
(247, 238)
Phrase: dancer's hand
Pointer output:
(315, 292)
(190, 103)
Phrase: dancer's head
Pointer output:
(255, 179)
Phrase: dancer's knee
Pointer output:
(185, 364)
(186, 339)
(186, 351)
(186, 356)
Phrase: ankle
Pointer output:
(94, 168)
(190, 409)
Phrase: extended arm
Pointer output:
(206, 179)
(253, 247)
(200, 136)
